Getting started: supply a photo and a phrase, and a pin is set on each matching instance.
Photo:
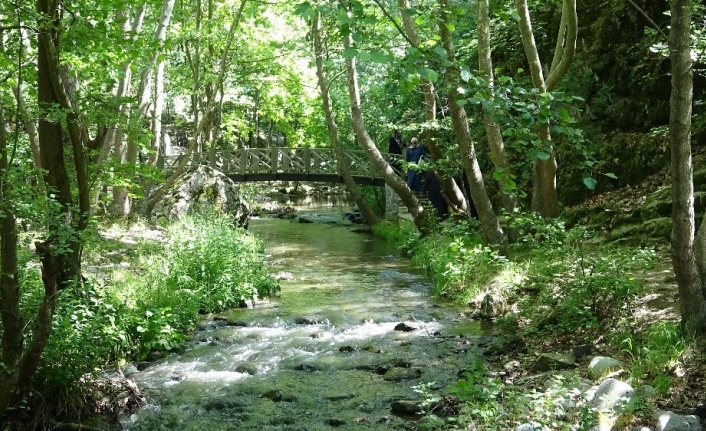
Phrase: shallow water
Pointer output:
(323, 354)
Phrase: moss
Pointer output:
(660, 227)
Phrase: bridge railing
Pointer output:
(278, 160)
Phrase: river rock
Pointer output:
(406, 407)
(238, 323)
(602, 365)
(404, 327)
(247, 368)
(129, 370)
(335, 422)
(397, 374)
(305, 321)
(276, 395)
(203, 187)
(491, 307)
(668, 421)
(309, 368)
(612, 395)
(553, 361)
(341, 397)
(583, 350)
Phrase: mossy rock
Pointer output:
(625, 231)
(658, 204)
(660, 227)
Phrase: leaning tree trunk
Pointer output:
(449, 189)
(368, 214)
(374, 156)
(492, 128)
(545, 199)
(490, 225)
(688, 251)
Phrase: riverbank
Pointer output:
(144, 292)
(562, 298)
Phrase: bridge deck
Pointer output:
(287, 164)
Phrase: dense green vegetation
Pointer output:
(149, 301)
(536, 104)
(555, 288)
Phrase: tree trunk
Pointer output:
(376, 159)
(121, 200)
(368, 214)
(490, 225)
(449, 189)
(544, 194)
(688, 254)
(31, 129)
(123, 88)
(12, 325)
(492, 129)
(59, 254)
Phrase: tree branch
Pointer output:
(644, 14)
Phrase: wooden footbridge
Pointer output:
(287, 164)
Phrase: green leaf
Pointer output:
(378, 57)
(430, 75)
(450, 26)
(410, 12)
(543, 155)
(304, 9)
(611, 175)
(515, 15)
(350, 52)
(590, 183)
(441, 52)
(363, 56)
(461, 102)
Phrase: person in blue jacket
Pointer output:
(414, 153)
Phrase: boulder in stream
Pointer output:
(404, 327)
(203, 187)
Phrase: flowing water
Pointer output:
(323, 354)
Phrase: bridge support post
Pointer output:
(392, 204)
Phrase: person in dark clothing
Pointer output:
(396, 143)
(432, 186)
(414, 154)
(395, 148)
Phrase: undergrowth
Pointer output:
(152, 301)
(563, 287)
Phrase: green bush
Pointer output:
(205, 264)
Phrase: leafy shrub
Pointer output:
(205, 264)
(221, 266)
(403, 236)
(460, 265)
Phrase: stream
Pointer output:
(328, 352)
